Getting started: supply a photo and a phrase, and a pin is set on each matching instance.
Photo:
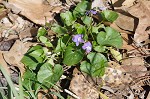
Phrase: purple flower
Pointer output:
(87, 46)
(91, 12)
(78, 39)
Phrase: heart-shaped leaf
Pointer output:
(44, 72)
(29, 79)
(72, 56)
(33, 57)
(59, 29)
(48, 76)
(87, 20)
(79, 28)
(96, 29)
(110, 38)
(81, 8)
(97, 64)
(67, 18)
(109, 15)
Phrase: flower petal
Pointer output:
(87, 46)
(78, 39)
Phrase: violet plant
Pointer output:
(82, 40)
(91, 39)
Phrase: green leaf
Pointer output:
(44, 40)
(61, 44)
(96, 67)
(51, 76)
(80, 28)
(57, 73)
(109, 15)
(37, 52)
(116, 54)
(67, 18)
(2, 96)
(34, 57)
(59, 29)
(87, 20)
(21, 94)
(100, 48)
(9, 81)
(48, 44)
(96, 29)
(111, 38)
(34, 48)
(81, 8)
(44, 72)
(29, 62)
(29, 79)
(86, 67)
(57, 94)
(72, 56)
(41, 32)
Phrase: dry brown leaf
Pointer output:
(3, 12)
(42, 94)
(134, 66)
(16, 53)
(126, 44)
(37, 12)
(82, 88)
(128, 3)
(53, 2)
(71, 2)
(125, 22)
(133, 61)
(141, 10)
(114, 75)
(6, 26)
(135, 70)
(1, 1)
(28, 32)
(3, 63)
(114, 1)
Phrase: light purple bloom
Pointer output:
(87, 46)
(91, 12)
(78, 39)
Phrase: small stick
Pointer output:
(72, 94)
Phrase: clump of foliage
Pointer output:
(82, 40)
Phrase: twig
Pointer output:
(72, 94)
